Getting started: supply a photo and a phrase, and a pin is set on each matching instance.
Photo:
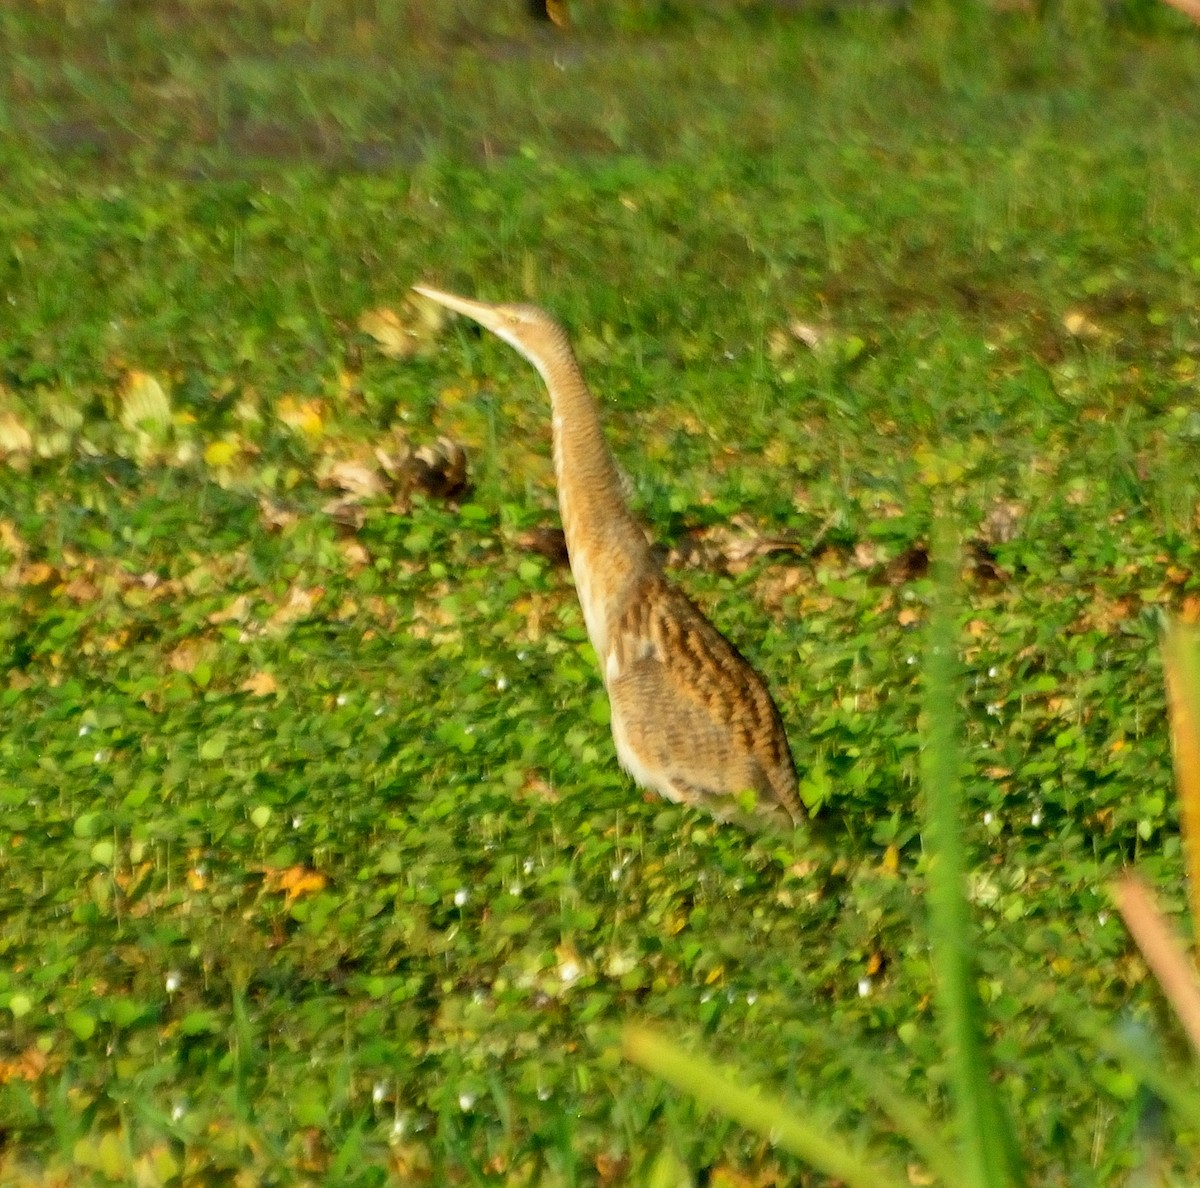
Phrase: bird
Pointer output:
(691, 719)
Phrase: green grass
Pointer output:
(214, 196)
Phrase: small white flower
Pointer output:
(460, 897)
(1103, 918)
(910, 660)
(751, 998)
(342, 699)
(527, 866)
(993, 708)
(864, 987)
(379, 1092)
(379, 711)
(466, 1100)
(178, 1110)
(515, 889)
(993, 671)
(174, 981)
(988, 817)
(99, 756)
(1035, 818)
(84, 730)
(502, 683)
(543, 1093)
(297, 820)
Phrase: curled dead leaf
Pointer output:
(357, 478)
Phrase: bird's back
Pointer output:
(691, 718)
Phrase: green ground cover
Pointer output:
(315, 862)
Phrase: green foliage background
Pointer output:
(384, 913)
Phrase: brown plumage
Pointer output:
(691, 719)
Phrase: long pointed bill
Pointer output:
(480, 311)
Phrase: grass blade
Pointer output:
(710, 1086)
(989, 1149)
(1181, 661)
(1163, 951)
(909, 1118)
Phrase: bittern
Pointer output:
(691, 719)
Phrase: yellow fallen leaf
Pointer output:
(298, 881)
(261, 684)
(305, 416)
(222, 452)
(14, 437)
(144, 405)
(1079, 325)
(392, 337)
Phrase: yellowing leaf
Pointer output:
(144, 405)
(298, 881)
(261, 684)
(1079, 325)
(304, 416)
(222, 452)
(391, 336)
(299, 605)
(14, 437)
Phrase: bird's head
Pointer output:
(527, 329)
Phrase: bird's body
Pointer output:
(691, 719)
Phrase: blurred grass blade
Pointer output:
(824, 1150)
(989, 1150)
(1181, 661)
(1163, 951)
(1166, 1083)
(909, 1119)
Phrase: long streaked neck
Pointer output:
(606, 545)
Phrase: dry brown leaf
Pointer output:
(354, 477)
(261, 684)
(14, 437)
(299, 605)
(274, 516)
(1079, 325)
(238, 611)
(38, 574)
(189, 653)
(28, 1066)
